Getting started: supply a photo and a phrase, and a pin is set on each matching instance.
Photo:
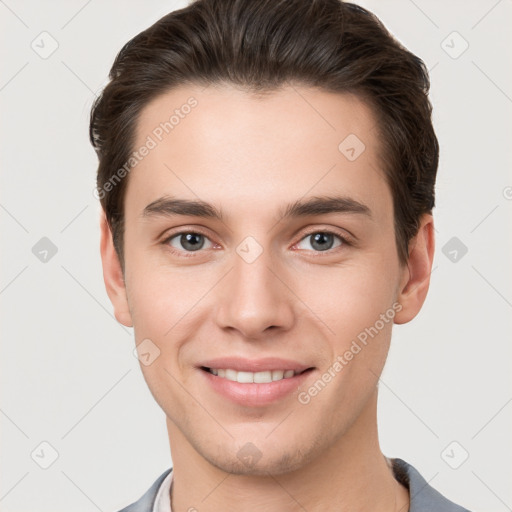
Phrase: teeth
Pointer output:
(230, 375)
(242, 377)
(277, 374)
(250, 377)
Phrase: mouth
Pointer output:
(260, 388)
(261, 377)
(255, 383)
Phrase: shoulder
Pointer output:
(423, 497)
(146, 502)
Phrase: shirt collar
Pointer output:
(423, 497)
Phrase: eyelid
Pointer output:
(342, 233)
(171, 233)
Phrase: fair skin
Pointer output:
(250, 157)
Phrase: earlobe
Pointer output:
(113, 275)
(416, 274)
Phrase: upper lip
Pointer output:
(254, 365)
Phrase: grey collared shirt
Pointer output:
(423, 497)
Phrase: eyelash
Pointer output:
(190, 254)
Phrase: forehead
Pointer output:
(238, 148)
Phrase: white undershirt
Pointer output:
(163, 496)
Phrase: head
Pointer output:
(266, 173)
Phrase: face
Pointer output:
(261, 272)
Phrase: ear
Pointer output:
(416, 273)
(113, 275)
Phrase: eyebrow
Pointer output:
(168, 207)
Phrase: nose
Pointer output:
(255, 299)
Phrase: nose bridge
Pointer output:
(253, 298)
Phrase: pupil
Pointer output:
(192, 241)
(322, 241)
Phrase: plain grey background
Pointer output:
(69, 378)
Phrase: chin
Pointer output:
(251, 461)
(267, 467)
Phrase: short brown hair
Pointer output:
(261, 46)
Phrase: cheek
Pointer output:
(159, 295)
(168, 308)
(358, 314)
(349, 299)
(149, 307)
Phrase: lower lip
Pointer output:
(252, 394)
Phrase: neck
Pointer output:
(351, 474)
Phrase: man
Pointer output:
(266, 172)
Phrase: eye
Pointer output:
(188, 241)
(322, 241)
